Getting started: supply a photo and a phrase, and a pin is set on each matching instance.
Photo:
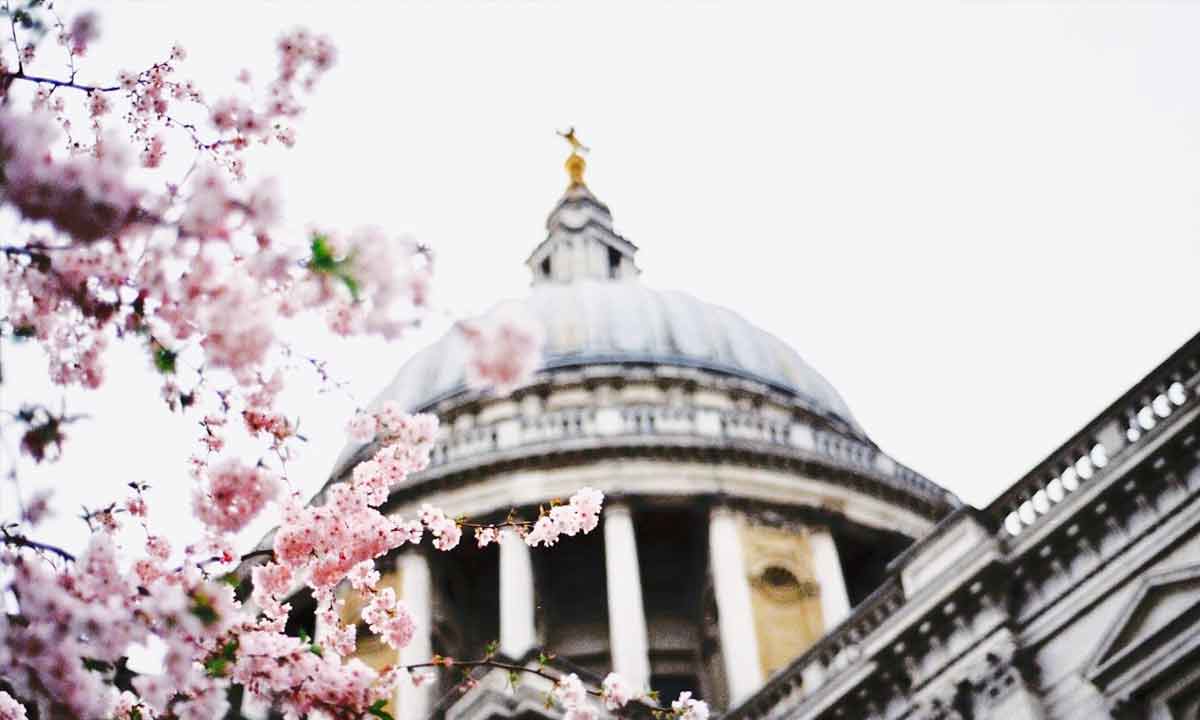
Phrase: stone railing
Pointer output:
(822, 664)
(690, 425)
(1128, 424)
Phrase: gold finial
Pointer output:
(575, 163)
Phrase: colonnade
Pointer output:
(628, 637)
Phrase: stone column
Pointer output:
(626, 613)
(518, 634)
(731, 586)
(416, 590)
(827, 568)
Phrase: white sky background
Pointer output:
(980, 221)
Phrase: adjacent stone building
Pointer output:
(759, 548)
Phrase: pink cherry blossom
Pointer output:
(485, 536)
(10, 709)
(615, 692)
(84, 29)
(43, 188)
(158, 547)
(505, 347)
(191, 274)
(570, 691)
(580, 514)
(445, 531)
(234, 495)
(361, 428)
(389, 619)
(686, 708)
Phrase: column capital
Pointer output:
(617, 504)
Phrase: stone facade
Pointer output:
(1074, 595)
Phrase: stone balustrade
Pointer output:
(682, 424)
(822, 664)
(1118, 432)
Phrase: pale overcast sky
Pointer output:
(980, 221)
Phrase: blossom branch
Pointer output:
(20, 74)
(12, 24)
(16, 540)
(487, 662)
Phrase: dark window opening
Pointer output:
(614, 262)
(546, 267)
(573, 603)
(302, 621)
(670, 685)
(865, 556)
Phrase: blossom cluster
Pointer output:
(86, 197)
(197, 274)
(580, 514)
(389, 619)
(615, 693)
(194, 272)
(10, 709)
(74, 626)
(688, 708)
(234, 495)
(322, 545)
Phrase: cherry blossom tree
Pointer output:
(134, 222)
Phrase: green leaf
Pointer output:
(378, 711)
(322, 259)
(324, 262)
(96, 665)
(350, 282)
(164, 359)
(202, 608)
(216, 665)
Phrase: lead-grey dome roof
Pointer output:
(589, 322)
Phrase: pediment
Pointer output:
(1164, 604)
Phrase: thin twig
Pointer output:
(451, 663)
(8, 538)
(20, 75)
(12, 24)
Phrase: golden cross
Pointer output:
(569, 136)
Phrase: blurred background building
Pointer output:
(758, 548)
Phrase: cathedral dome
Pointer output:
(746, 511)
(590, 322)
